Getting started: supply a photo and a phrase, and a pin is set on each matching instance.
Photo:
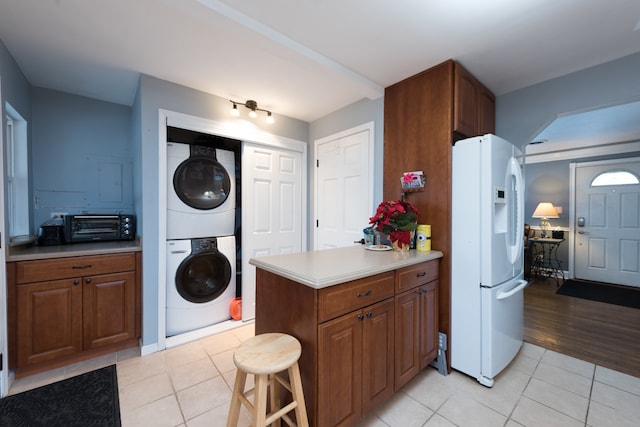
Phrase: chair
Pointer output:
(266, 356)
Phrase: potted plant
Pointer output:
(398, 219)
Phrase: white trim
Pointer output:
(205, 332)
(236, 129)
(4, 349)
(578, 153)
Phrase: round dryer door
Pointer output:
(202, 182)
(203, 277)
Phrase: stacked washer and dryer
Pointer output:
(201, 247)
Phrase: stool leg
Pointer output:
(274, 394)
(298, 396)
(260, 402)
(234, 407)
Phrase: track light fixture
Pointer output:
(253, 108)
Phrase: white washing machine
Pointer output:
(201, 191)
(201, 282)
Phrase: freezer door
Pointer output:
(502, 327)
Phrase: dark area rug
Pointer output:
(612, 294)
(89, 399)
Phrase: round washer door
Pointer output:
(203, 277)
(201, 182)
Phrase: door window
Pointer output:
(617, 177)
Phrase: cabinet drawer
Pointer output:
(341, 299)
(416, 275)
(62, 268)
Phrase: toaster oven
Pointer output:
(97, 227)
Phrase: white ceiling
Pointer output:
(307, 58)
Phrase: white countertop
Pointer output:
(29, 253)
(327, 267)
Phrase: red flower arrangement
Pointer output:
(396, 218)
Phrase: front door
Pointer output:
(607, 221)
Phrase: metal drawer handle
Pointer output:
(424, 273)
(366, 294)
(81, 267)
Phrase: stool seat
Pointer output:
(267, 356)
(267, 353)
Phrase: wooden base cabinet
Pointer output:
(351, 334)
(356, 352)
(65, 307)
(416, 306)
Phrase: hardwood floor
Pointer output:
(605, 334)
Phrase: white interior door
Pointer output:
(344, 186)
(607, 222)
(272, 211)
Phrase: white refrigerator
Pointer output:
(487, 258)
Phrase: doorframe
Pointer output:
(572, 201)
(4, 345)
(370, 126)
(228, 129)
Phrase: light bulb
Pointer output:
(269, 118)
(234, 111)
(253, 114)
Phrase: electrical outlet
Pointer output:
(58, 214)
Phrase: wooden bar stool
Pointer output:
(264, 356)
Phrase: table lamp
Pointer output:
(545, 210)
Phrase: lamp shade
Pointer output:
(545, 210)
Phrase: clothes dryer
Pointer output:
(201, 191)
(201, 282)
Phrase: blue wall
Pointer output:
(356, 114)
(82, 155)
(16, 91)
(522, 114)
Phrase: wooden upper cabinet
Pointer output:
(474, 105)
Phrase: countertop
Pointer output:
(327, 267)
(29, 253)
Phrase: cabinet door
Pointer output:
(428, 323)
(109, 309)
(377, 354)
(465, 104)
(340, 364)
(486, 111)
(49, 320)
(407, 329)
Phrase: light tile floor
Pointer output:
(191, 385)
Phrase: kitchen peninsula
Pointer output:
(367, 321)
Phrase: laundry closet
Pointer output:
(227, 200)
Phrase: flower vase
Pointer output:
(396, 246)
(405, 241)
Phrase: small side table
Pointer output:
(544, 261)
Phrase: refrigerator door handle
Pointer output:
(521, 285)
(517, 240)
